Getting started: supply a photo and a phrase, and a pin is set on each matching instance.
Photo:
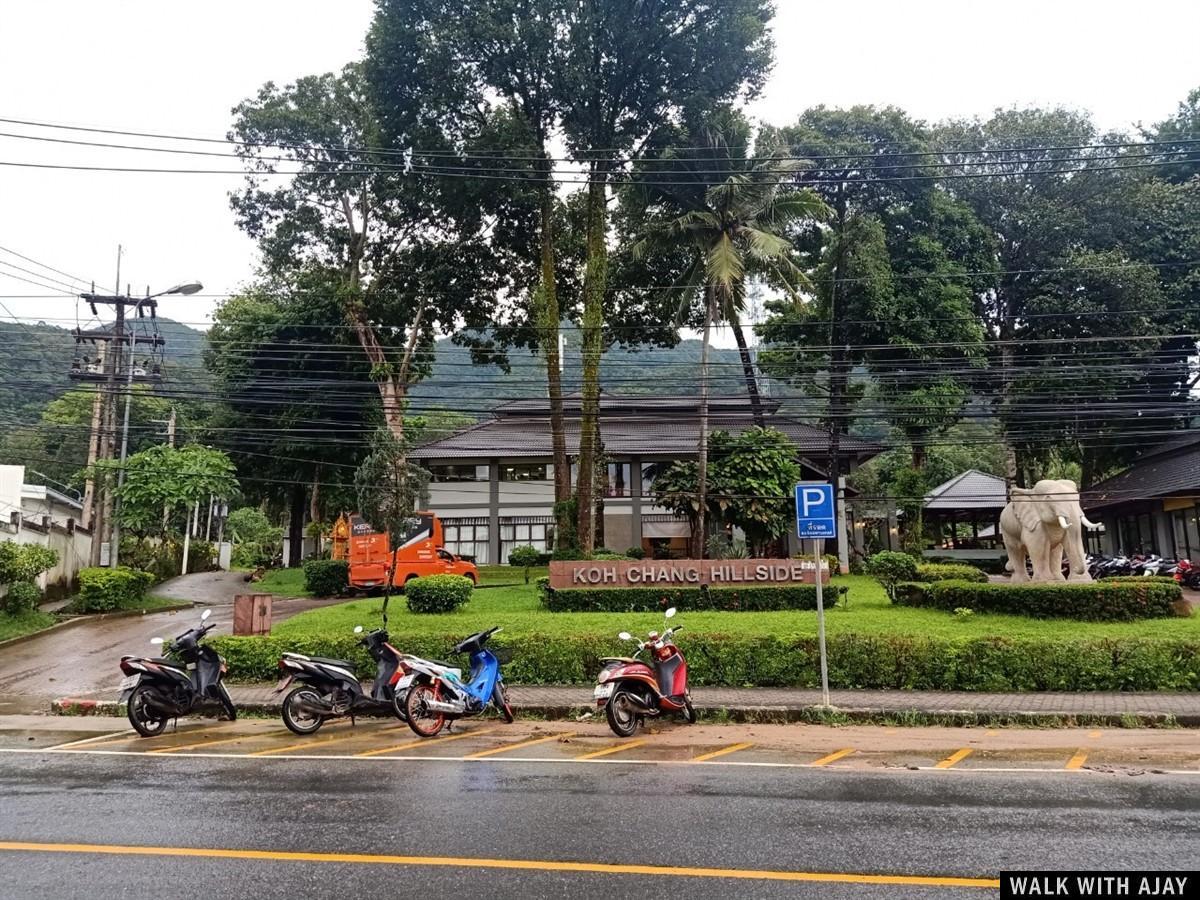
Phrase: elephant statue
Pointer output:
(1044, 522)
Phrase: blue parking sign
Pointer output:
(815, 516)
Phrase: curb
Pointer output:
(94, 617)
(767, 715)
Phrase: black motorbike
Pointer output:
(329, 689)
(188, 675)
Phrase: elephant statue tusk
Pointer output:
(1064, 521)
(1090, 525)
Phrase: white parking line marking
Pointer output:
(516, 760)
(109, 736)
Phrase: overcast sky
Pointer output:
(179, 68)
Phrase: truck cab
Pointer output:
(421, 552)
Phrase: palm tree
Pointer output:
(732, 226)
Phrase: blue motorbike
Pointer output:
(436, 693)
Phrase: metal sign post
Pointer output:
(816, 519)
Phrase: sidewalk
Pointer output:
(786, 704)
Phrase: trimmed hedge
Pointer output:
(930, 572)
(22, 597)
(726, 599)
(869, 662)
(1140, 579)
(1089, 601)
(103, 589)
(326, 577)
(437, 593)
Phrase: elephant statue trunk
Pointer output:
(1042, 524)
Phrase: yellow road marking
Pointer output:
(518, 864)
(95, 740)
(955, 758)
(309, 743)
(992, 733)
(238, 737)
(628, 745)
(425, 742)
(832, 757)
(1093, 734)
(732, 748)
(1077, 761)
(504, 748)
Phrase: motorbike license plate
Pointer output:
(405, 682)
(129, 681)
(603, 691)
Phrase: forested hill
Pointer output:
(37, 360)
(657, 371)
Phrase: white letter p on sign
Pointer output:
(810, 497)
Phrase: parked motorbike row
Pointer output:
(1183, 570)
(427, 694)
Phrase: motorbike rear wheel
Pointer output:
(420, 718)
(296, 719)
(622, 713)
(501, 701)
(398, 699)
(144, 719)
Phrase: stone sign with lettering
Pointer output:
(613, 573)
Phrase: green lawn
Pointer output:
(516, 608)
(16, 626)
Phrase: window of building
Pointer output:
(1179, 529)
(650, 471)
(467, 537)
(618, 480)
(458, 472)
(526, 472)
(533, 533)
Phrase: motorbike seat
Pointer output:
(620, 659)
(326, 661)
(163, 661)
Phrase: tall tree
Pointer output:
(729, 221)
(405, 252)
(633, 66)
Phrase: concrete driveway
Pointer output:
(84, 658)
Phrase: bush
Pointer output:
(438, 593)
(256, 542)
(890, 568)
(636, 553)
(1140, 579)
(102, 589)
(525, 557)
(1092, 601)
(326, 577)
(929, 572)
(856, 661)
(730, 599)
(24, 562)
(22, 597)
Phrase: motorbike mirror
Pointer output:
(670, 613)
(625, 636)
(204, 615)
(358, 629)
(156, 640)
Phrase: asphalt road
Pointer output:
(83, 659)
(520, 829)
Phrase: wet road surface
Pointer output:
(247, 809)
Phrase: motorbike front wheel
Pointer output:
(398, 698)
(622, 713)
(298, 720)
(689, 711)
(421, 719)
(227, 707)
(501, 701)
(145, 720)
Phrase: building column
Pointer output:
(494, 512)
(635, 500)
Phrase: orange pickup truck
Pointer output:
(421, 552)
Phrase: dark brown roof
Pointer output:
(630, 433)
(1173, 468)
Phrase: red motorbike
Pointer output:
(1187, 574)
(630, 691)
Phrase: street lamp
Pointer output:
(114, 552)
